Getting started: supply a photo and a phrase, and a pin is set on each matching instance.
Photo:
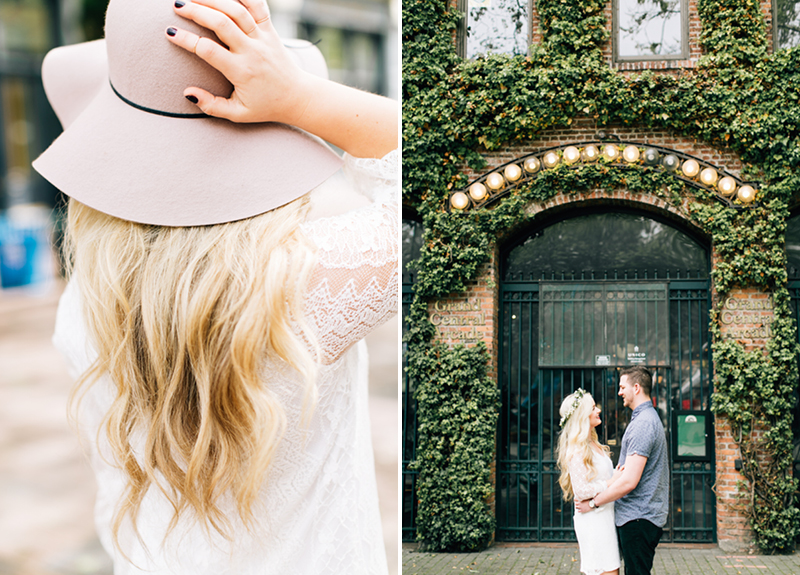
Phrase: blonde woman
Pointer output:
(213, 323)
(586, 470)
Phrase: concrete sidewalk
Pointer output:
(564, 560)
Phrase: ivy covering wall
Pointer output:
(738, 97)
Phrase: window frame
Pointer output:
(461, 32)
(775, 46)
(684, 54)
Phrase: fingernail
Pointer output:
(171, 31)
(192, 99)
(179, 3)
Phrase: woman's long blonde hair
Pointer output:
(183, 320)
(576, 438)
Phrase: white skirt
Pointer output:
(597, 540)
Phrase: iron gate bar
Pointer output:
(530, 383)
(683, 293)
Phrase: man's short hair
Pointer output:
(641, 375)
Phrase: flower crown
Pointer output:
(579, 393)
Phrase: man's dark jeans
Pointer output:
(638, 540)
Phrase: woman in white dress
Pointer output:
(586, 470)
(213, 322)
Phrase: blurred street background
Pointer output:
(46, 487)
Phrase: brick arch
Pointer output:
(585, 130)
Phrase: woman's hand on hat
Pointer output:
(268, 85)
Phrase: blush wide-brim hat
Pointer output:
(133, 147)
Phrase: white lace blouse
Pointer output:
(318, 507)
(582, 488)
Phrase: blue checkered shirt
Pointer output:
(650, 498)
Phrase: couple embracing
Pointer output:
(623, 509)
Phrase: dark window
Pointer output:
(793, 247)
(793, 263)
(412, 244)
(611, 245)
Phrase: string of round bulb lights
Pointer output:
(696, 173)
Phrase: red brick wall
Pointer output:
(766, 11)
(733, 531)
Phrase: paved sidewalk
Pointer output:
(564, 560)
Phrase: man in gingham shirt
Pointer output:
(642, 491)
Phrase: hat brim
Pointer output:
(154, 169)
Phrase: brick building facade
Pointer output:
(523, 473)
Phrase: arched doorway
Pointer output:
(580, 298)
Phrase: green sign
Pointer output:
(692, 435)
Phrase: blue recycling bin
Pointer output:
(24, 253)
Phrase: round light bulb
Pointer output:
(746, 194)
(590, 153)
(651, 157)
(477, 191)
(631, 154)
(532, 165)
(610, 152)
(459, 200)
(571, 155)
(709, 176)
(512, 172)
(550, 160)
(671, 162)
(690, 168)
(495, 181)
(727, 186)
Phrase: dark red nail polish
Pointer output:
(179, 3)
(171, 31)
(192, 99)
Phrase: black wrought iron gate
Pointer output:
(559, 336)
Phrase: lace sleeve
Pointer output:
(581, 487)
(354, 286)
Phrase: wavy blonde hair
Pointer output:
(183, 320)
(576, 440)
